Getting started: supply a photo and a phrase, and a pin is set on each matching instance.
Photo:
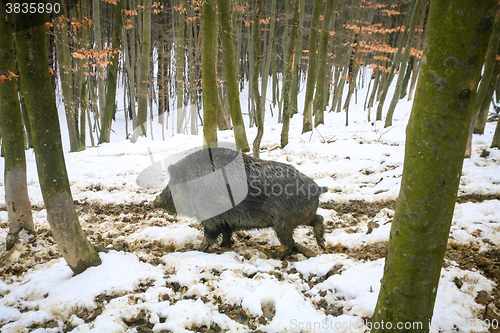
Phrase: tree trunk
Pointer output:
(385, 84)
(81, 42)
(495, 143)
(267, 56)
(24, 113)
(284, 55)
(143, 75)
(192, 72)
(96, 18)
(490, 73)
(67, 83)
(111, 78)
(418, 46)
(457, 36)
(337, 99)
(16, 188)
(259, 113)
(320, 95)
(374, 90)
(357, 59)
(179, 65)
(409, 70)
(40, 100)
(297, 61)
(307, 124)
(129, 64)
(414, 12)
(482, 91)
(290, 64)
(485, 107)
(231, 79)
(208, 73)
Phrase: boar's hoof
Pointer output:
(205, 245)
(280, 255)
(226, 243)
(283, 253)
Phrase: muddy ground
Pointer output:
(107, 225)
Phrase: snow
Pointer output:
(177, 235)
(477, 219)
(53, 290)
(180, 289)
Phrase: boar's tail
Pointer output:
(323, 189)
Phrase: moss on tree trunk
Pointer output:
(67, 83)
(31, 47)
(320, 95)
(143, 72)
(16, 188)
(208, 73)
(231, 80)
(457, 35)
(307, 124)
(290, 64)
(109, 108)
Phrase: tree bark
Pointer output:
(24, 113)
(96, 17)
(67, 83)
(488, 81)
(179, 65)
(267, 57)
(307, 124)
(385, 84)
(414, 12)
(457, 36)
(489, 69)
(16, 188)
(290, 64)
(495, 143)
(32, 57)
(111, 78)
(208, 73)
(259, 113)
(319, 97)
(143, 72)
(485, 107)
(293, 95)
(337, 99)
(231, 79)
(418, 45)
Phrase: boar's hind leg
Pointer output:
(226, 236)
(287, 244)
(319, 230)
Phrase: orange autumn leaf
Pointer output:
(9, 77)
(78, 55)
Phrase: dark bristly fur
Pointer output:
(264, 205)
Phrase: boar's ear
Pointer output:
(175, 173)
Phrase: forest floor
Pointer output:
(120, 221)
(154, 279)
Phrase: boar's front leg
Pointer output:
(211, 230)
(287, 244)
(226, 236)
